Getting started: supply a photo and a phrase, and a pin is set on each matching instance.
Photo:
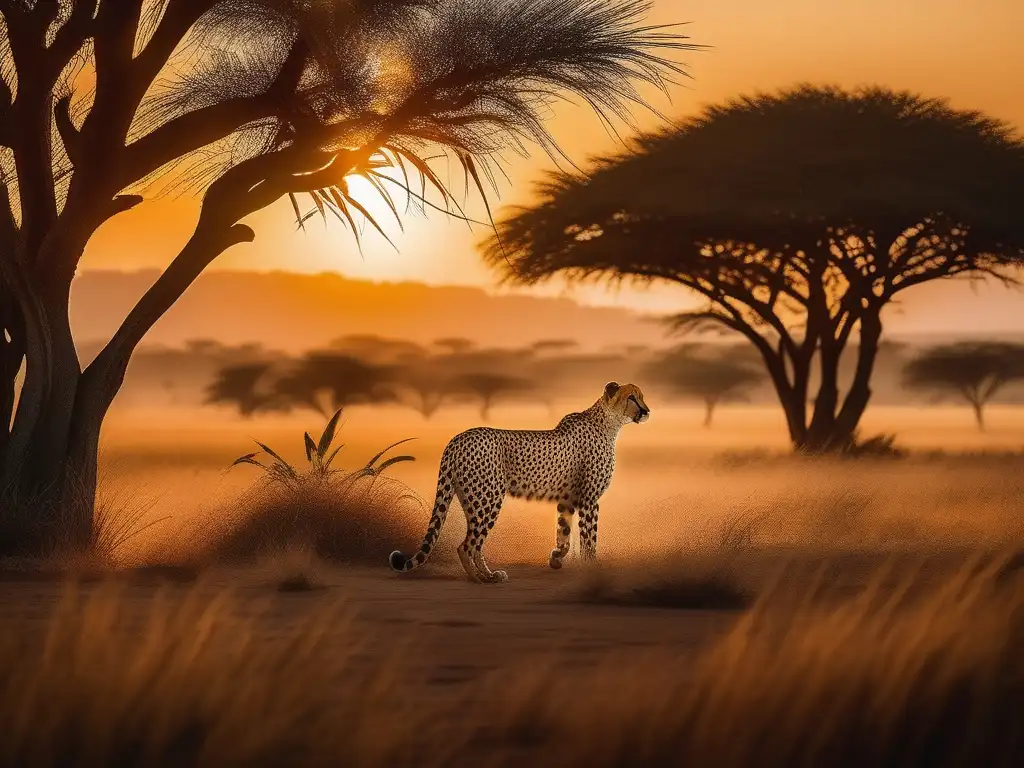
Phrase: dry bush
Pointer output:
(185, 678)
(341, 519)
(119, 518)
(891, 678)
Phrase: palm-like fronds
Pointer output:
(471, 77)
(320, 458)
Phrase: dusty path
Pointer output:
(446, 629)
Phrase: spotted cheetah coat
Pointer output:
(571, 465)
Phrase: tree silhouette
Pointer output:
(378, 348)
(796, 238)
(710, 375)
(327, 381)
(240, 385)
(554, 346)
(488, 386)
(455, 345)
(424, 382)
(246, 102)
(975, 371)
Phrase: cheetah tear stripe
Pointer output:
(571, 465)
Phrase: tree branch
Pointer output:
(73, 33)
(202, 127)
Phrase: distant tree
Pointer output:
(711, 375)
(424, 382)
(797, 238)
(554, 346)
(455, 345)
(245, 103)
(974, 371)
(326, 381)
(488, 386)
(376, 348)
(240, 386)
(569, 375)
(203, 346)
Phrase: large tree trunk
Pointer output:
(857, 399)
(820, 437)
(49, 477)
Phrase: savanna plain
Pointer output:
(748, 607)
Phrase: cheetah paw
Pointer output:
(500, 576)
(555, 562)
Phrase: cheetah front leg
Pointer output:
(562, 534)
(588, 531)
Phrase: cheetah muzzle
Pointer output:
(571, 465)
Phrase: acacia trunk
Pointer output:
(856, 402)
(832, 428)
(709, 411)
(979, 414)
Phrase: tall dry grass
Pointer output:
(895, 677)
(189, 678)
(355, 521)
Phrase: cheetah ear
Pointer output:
(610, 389)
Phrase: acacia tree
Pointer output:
(246, 102)
(244, 385)
(797, 218)
(488, 386)
(712, 376)
(974, 371)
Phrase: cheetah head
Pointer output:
(626, 402)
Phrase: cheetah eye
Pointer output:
(635, 401)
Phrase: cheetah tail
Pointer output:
(401, 562)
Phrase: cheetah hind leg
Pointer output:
(467, 559)
(478, 526)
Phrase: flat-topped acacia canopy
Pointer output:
(797, 216)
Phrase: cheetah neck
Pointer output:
(611, 425)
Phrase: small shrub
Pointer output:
(354, 517)
(342, 521)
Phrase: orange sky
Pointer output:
(968, 51)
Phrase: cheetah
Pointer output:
(571, 464)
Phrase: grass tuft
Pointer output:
(341, 520)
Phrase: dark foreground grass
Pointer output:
(684, 580)
(185, 678)
(182, 677)
(891, 678)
